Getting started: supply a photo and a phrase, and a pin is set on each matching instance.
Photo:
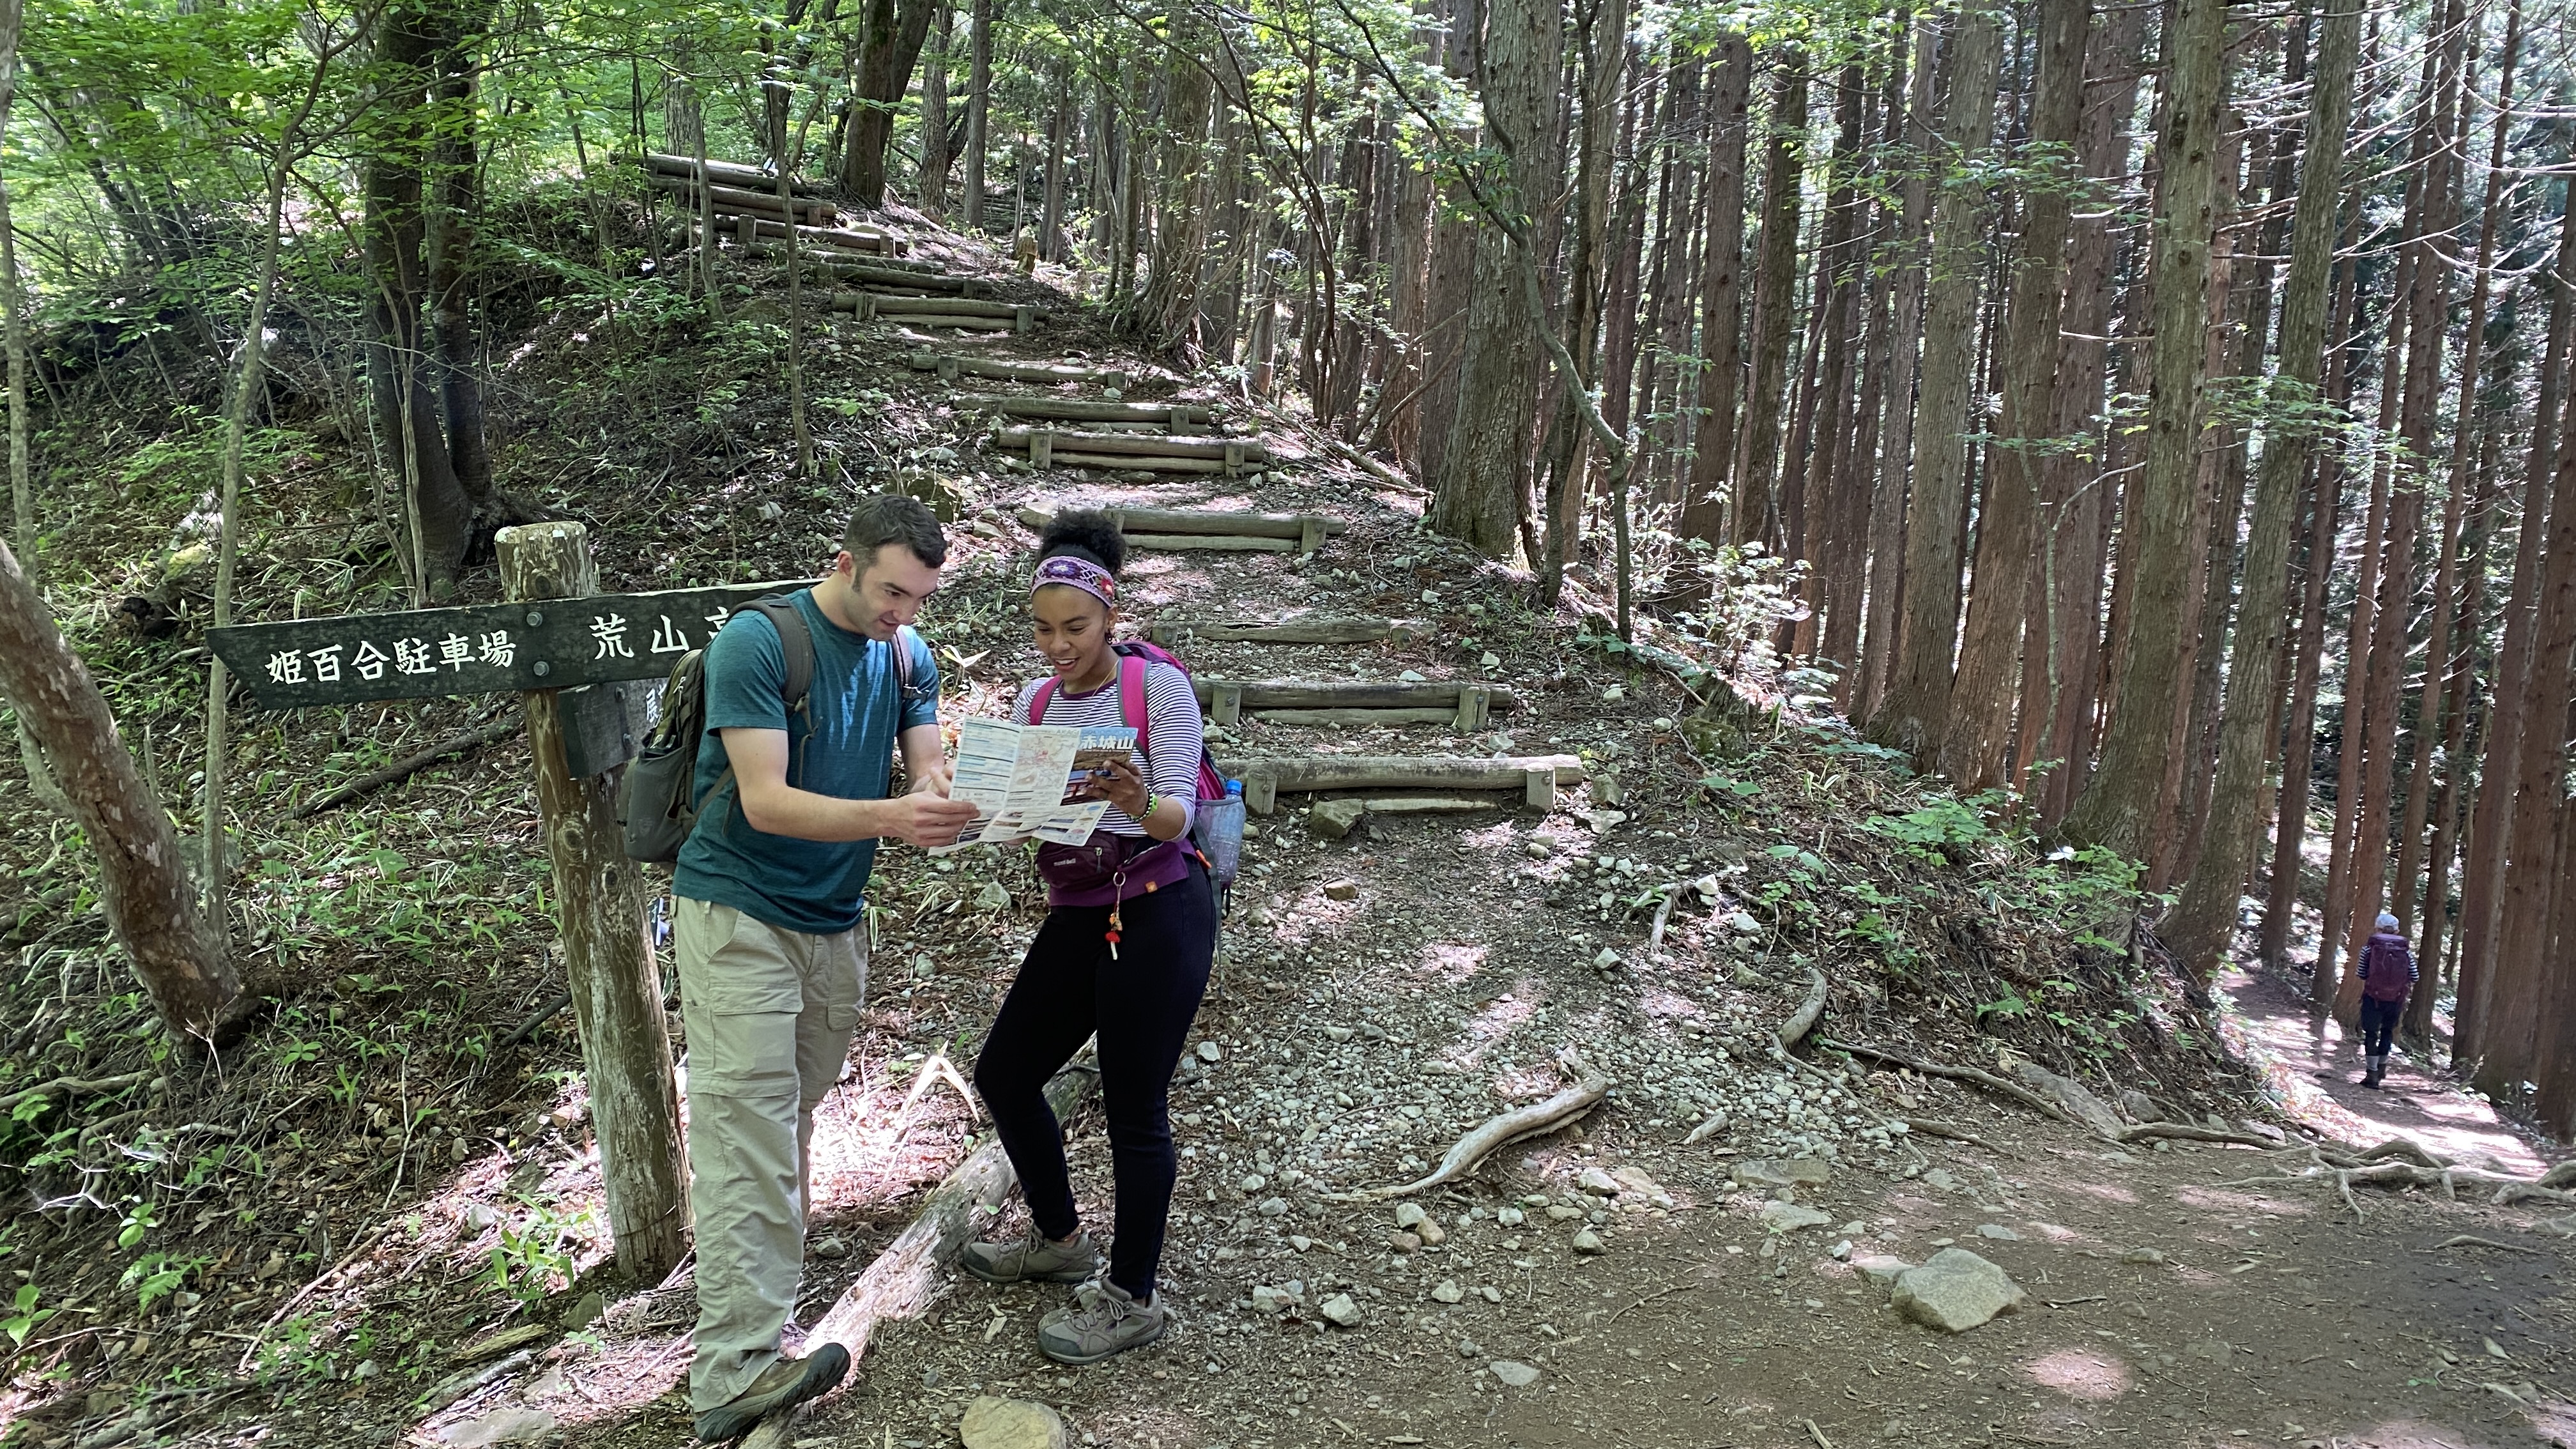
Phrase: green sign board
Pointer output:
(486, 649)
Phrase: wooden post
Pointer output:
(1225, 702)
(947, 368)
(1310, 534)
(746, 231)
(616, 990)
(1261, 793)
(1475, 706)
(1023, 318)
(1538, 789)
(1234, 460)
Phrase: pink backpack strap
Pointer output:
(1131, 704)
(1045, 697)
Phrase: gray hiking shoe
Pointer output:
(783, 1385)
(1106, 1322)
(1032, 1258)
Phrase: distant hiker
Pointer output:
(2387, 974)
(1125, 951)
(769, 920)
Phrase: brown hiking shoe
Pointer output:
(1034, 1258)
(782, 1386)
(1109, 1323)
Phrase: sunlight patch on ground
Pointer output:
(1448, 961)
(1487, 1028)
(2081, 1373)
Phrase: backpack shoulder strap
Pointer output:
(903, 639)
(1045, 697)
(1131, 702)
(796, 645)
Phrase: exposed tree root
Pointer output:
(1928, 1127)
(2188, 1132)
(1589, 1088)
(1985, 1079)
(1803, 1020)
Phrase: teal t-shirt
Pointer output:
(855, 709)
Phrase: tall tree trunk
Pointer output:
(1887, 504)
(1601, 46)
(1485, 469)
(1452, 264)
(150, 906)
(2116, 808)
(1913, 715)
(22, 493)
(2429, 299)
(400, 366)
(454, 184)
(1977, 739)
(2060, 686)
(2205, 919)
(890, 45)
(1171, 304)
(1051, 214)
(1721, 292)
(979, 108)
(2438, 649)
(2482, 863)
(1755, 515)
(933, 197)
(1838, 510)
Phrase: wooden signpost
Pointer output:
(580, 661)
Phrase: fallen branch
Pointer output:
(1655, 934)
(2514, 1192)
(937, 1069)
(904, 1278)
(2189, 1132)
(68, 1086)
(537, 1018)
(1589, 1088)
(1985, 1079)
(1803, 1020)
(1706, 1130)
(2465, 1240)
(408, 765)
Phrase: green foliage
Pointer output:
(24, 1316)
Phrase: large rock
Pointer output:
(992, 1423)
(1333, 819)
(2077, 1100)
(1782, 1172)
(1955, 1290)
(1789, 1217)
(1882, 1269)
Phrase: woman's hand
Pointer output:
(1124, 787)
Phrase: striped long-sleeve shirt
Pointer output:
(1176, 733)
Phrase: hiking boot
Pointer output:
(2378, 1069)
(1110, 1322)
(1033, 1258)
(782, 1386)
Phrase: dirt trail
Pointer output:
(2317, 1065)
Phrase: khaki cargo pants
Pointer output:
(769, 1015)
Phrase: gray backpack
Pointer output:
(655, 805)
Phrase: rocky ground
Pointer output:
(1714, 1254)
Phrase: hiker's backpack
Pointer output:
(1216, 816)
(656, 802)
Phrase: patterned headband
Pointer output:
(1080, 573)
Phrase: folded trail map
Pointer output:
(1022, 779)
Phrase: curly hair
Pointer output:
(1085, 533)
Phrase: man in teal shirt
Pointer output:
(770, 921)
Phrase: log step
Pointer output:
(1301, 629)
(1467, 704)
(1336, 818)
(1097, 413)
(1266, 778)
(1179, 528)
(853, 238)
(923, 311)
(950, 366)
(723, 173)
(1149, 449)
(736, 201)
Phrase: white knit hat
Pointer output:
(2387, 922)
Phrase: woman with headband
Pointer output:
(1125, 951)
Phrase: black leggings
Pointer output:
(2379, 1023)
(1141, 1004)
